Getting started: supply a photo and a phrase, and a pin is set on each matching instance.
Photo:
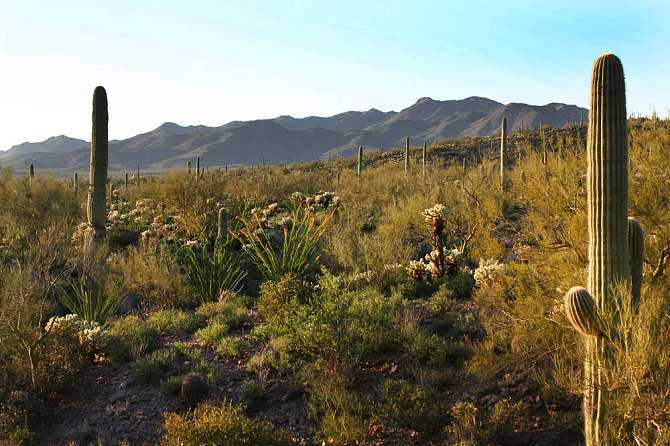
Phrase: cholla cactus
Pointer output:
(487, 272)
(452, 258)
(417, 270)
(434, 216)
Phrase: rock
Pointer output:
(193, 389)
(130, 303)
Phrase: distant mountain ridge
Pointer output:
(289, 139)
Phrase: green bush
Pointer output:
(132, 338)
(412, 406)
(225, 425)
(229, 347)
(175, 321)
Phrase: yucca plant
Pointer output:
(210, 274)
(296, 251)
(88, 300)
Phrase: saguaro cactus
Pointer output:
(636, 251)
(125, 182)
(75, 182)
(503, 150)
(96, 208)
(197, 167)
(580, 309)
(359, 166)
(407, 155)
(31, 174)
(188, 166)
(607, 203)
(423, 159)
(137, 180)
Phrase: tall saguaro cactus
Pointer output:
(608, 226)
(359, 166)
(197, 167)
(75, 182)
(222, 228)
(125, 182)
(503, 150)
(31, 174)
(636, 252)
(96, 208)
(407, 155)
(423, 159)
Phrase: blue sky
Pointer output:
(209, 62)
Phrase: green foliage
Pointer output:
(210, 274)
(297, 250)
(225, 425)
(89, 301)
(175, 321)
(412, 406)
(212, 333)
(132, 338)
(229, 347)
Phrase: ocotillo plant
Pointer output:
(96, 208)
(503, 150)
(607, 203)
(423, 159)
(407, 155)
(359, 166)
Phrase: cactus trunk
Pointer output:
(222, 229)
(359, 166)
(125, 182)
(407, 155)
(31, 174)
(423, 159)
(607, 202)
(96, 208)
(636, 252)
(503, 149)
(75, 183)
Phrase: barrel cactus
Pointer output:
(193, 390)
(96, 207)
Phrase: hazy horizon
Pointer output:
(213, 62)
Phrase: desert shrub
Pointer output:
(152, 274)
(212, 334)
(332, 402)
(179, 359)
(412, 406)
(278, 296)
(224, 425)
(229, 347)
(231, 312)
(251, 396)
(132, 338)
(175, 321)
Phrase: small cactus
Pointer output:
(503, 149)
(193, 390)
(636, 252)
(96, 207)
(580, 309)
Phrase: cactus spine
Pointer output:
(607, 203)
(636, 251)
(359, 166)
(407, 155)
(96, 207)
(503, 149)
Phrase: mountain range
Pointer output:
(286, 139)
